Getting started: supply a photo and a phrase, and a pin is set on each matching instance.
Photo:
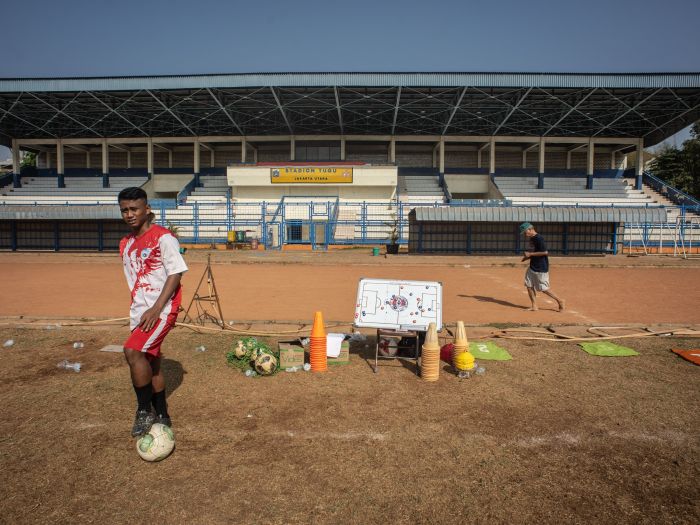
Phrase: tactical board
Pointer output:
(398, 305)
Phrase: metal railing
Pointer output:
(668, 191)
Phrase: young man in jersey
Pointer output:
(153, 267)
(537, 274)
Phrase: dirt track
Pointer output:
(291, 286)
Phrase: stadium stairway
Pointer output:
(420, 189)
(78, 190)
(571, 191)
(214, 188)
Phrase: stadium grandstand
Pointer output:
(439, 162)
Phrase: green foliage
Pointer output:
(29, 159)
(681, 167)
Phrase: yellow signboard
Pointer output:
(311, 175)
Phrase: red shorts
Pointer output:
(149, 342)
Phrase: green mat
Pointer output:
(606, 349)
(488, 351)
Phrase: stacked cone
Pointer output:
(430, 357)
(317, 355)
(461, 343)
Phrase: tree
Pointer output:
(29, 159)
(680, 168)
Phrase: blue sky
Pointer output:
(88, 38)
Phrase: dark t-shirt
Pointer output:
(540, 263)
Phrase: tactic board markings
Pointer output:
(397, 305)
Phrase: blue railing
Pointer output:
(668, 191)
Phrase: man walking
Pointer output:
(537, 274)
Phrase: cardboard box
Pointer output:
(291, 353)
(344, 357)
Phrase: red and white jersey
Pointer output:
(148, 261)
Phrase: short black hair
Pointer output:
(132, 194)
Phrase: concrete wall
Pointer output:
(369, 183)
(169, 182)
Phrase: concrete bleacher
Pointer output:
(420, 188)
(214, 188)
(78, 190)
(571, 191)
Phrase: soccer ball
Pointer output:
(265, 364)
(240, 351)
(388, 347)
(157, 444)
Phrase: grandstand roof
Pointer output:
(541, 214)
(649, 105)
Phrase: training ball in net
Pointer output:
(157, 444)
(265, 364)
(240, 351)
(388, 347)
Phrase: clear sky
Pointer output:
(158, 37)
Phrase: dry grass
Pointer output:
(553, 436)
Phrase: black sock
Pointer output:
(143, 396)
(159, 403)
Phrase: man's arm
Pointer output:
(150, 317)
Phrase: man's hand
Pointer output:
(526, 256)
(150, 318)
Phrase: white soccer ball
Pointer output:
(388, 347)
(240, 350)
(265, 364)
(157, 444)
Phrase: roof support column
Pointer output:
(170, 158)
(128, 159)
(16, 177)
(149, 155)
(492, 156)
(568, 160)
(88, 164)
(590, 165)
(613, 165)
(196, 163)
(392, 150)
(59, 164)
(342, 148)
(540, 172)
(48, 159)
(292, 148)
(244, 148)
(435, 155)
(524, 163)
(212, 158)
(442, 154)
(105, 164)
(640, 164)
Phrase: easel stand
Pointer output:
(203, 303)
(385, 333)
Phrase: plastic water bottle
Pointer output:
(8, 343)
(201, 348)
(69, 366)
(53, 326)
(78, 344)
(250, 373)
(307, 367)
(305, 341)
(480, 371)
(292, 369)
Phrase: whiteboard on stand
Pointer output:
(398, 305)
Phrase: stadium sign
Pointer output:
(311, 175)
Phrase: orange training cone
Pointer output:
(461, 343)
(317, 354)
(430, 355)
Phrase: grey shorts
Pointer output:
(537, 280)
